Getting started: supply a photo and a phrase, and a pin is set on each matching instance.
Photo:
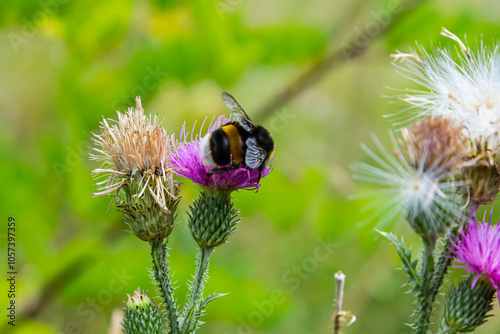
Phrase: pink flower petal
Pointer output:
(478, 249)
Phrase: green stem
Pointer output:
(445, 257)
(426, 276)
(192, 312)
(162, 277)
(444, 262)
(432, 277)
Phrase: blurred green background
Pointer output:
(64, 64)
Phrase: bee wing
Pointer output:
(255, 155)
(237, 110)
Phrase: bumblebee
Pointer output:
(236, 143)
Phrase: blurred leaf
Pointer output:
(409, 265)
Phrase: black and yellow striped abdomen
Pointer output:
(226, 145)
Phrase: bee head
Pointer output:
(264, 138)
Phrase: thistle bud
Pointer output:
(430, 225)
(142, 214)
(142, 316)
(467, 308)
(138, 300)
(212, 218)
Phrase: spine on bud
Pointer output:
(484, 183)
(142, 316)
(467, 308)
(145, 218)
(212, 218)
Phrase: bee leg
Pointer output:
(209, 175)
(258, 179)
(220, 171)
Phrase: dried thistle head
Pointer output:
(484, 184)
(135, 147)
(135, 142)
(436, 143)
(135, 154)
(485, 152)
(462, 87)
(483, 175)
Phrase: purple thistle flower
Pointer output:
(187, 162)
(478, 250)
